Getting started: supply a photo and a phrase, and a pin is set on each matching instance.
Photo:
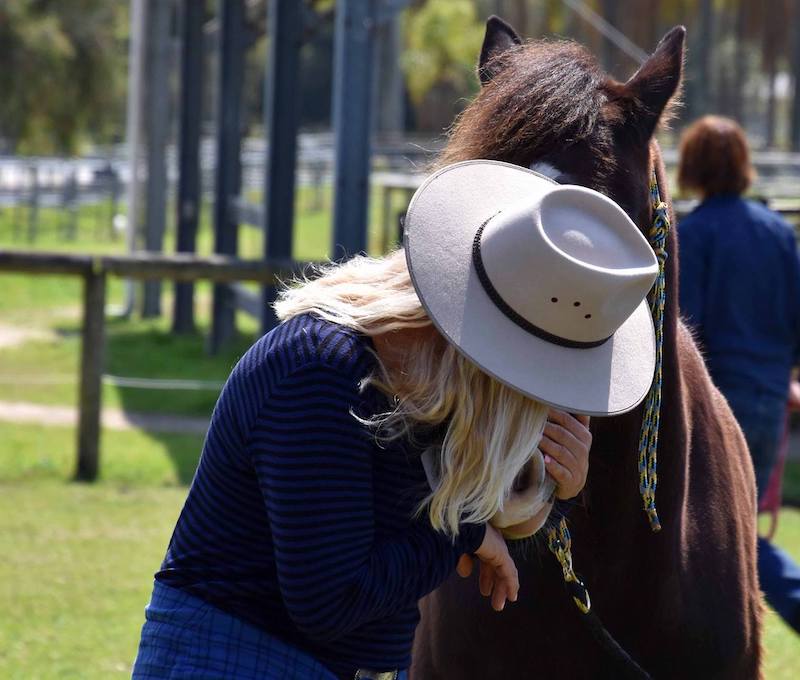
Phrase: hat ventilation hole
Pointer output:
(587, 316)
(553, 299)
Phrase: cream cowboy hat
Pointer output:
(541, 285)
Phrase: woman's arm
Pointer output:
(314, 465)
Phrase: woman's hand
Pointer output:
(565, 445)
(498, 577)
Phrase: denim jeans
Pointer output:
(762, 418)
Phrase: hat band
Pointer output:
(510, 312)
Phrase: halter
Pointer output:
(559, 541)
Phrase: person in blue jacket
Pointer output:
(740, 293)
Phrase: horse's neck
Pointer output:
(615, 472)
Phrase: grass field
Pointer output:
(76, 560)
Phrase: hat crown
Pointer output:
(570, 262)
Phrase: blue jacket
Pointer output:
(740, 291)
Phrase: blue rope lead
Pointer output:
(648, 439)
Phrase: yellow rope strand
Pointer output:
(560, 544)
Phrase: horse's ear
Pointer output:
(499, 38)
(655, 83)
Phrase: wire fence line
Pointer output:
(118, 381)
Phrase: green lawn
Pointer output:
(135, 348)
(78, 559)
(311, 237)
(76, 573)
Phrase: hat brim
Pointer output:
(440, 224)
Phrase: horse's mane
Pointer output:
(546, 94)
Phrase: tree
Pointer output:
(63, 73)
(443, 39)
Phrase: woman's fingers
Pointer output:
(565, 444)
(563, 477)
(486, 579)
(583, 420)
(508, 575)
(498, 576)
(464, 566)
(506, 586)
(499, 595)
(501, 583)
(578, 425)
(562, 445)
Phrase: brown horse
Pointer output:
(683, 602)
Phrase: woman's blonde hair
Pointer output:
(490, 430)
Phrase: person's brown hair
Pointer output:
(715, 158)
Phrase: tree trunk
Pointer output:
(769, 49)
(795, 120)
(699, 86)
(191, 115)
(722, 100)
(609, 51)
(654, 25)
(157, 125)
(388, 88)
(520, 17)
(739, 75)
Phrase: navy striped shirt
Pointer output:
(297, 520)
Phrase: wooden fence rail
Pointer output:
(94, 270)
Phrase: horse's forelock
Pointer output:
(548, 94)
(548, 101)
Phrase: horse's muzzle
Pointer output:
(530, 502)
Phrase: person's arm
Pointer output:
(693, 275)
(313, 460)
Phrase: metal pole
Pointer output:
(388, 76)
(795, 120)
(133, 132)
(33, 205)
(228, 173)
(280, 122)
(188, 204)
(353, 57)
(158, 63)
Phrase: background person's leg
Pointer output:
(762, 422)
(780, 580)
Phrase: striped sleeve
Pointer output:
(313, 463)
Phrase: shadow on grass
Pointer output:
(149, 350)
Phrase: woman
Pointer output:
(359, 450)
(740, 292)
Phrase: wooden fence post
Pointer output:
(92, 354)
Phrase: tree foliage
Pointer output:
(62, 72)
(443, 38)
